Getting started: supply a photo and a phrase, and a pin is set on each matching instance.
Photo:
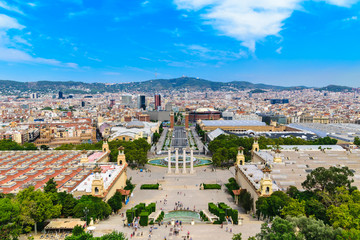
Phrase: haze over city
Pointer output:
(284, 42)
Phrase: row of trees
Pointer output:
(79, 234)
(135, 151)
(327, 209)
(224, 147)
(9, 145)
(30, 208)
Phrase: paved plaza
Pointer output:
(183, 188)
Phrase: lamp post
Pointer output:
(86, 211)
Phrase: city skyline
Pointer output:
(311, 43)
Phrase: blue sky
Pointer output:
(282, 42)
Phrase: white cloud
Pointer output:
(342, 3)
(8, 7)
(15, 55)
(353, 18)
(248, 21)
(112, 73)
(210, 54)
(80, 13)
(7, 22)
(279, 50)
(145, 3)
(9, 49)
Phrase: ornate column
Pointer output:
(184, 161)
(176, 160)
(191, 161)
(169, 161)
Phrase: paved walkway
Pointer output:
(183, 188)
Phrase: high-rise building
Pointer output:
(112, 102)
(141, 102)
(157, 101)
(61, 95)
(34, 95)
(126, 100)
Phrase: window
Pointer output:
(96, 190)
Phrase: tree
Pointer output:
(44, 147)
(294, 208)
(273, 205)
(9, 219)
(87, 236)
(6, 145)
(279, 229)
(78, 230)
(315, 229)
(50, 186)
(156, 137)
(68, 202)
(322, 179)
(357, 141)
(115, 202)
(36, 206)
(246, 200)
(29, 146)
(129, 185)
(314, 208)
(350, 234)
(97, 208)
(345, 211)
(237, 236)
(114, 236)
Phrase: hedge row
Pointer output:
(150, 186)
(212, 186)
(144, 218)
(203, 216)
(233, 213)
(161, 217)
(217, 211)
(142, 211)
(223, 210)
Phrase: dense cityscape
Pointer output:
(179, 120)
(180, 162)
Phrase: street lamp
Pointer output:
(86, 211)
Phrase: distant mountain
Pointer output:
(335, 88)
(158, 85)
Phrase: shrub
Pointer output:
(212, 186)
(221, 215)
(139, 208)
(226, 208)
(130, 214)
(235, 216)
(150, 186)
(144, 218)
(161, 217)
(151, 207)
(203, 216)
(232, 185)
(213, 209)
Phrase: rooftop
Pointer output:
(232, 123)
(296, 165)
(20, 169)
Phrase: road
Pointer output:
(179, 139)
